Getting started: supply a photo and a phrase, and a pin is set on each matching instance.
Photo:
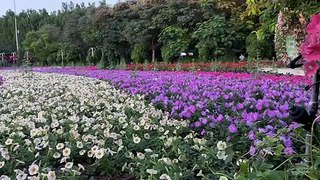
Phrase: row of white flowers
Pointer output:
(58, 126)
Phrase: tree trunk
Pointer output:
(153, 46)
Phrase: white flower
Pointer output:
(56, 155)
(221, 145)
(34, 178)
(161, 129)
(147, 136)
(221, 155)
(79, 144)
(94, 149)
(148, 150)
(80, 167)
(99, 153)
(51, 175)
(21, 175)
(34, 132)
(136, 139)
(8, 142)
(1, 164)
(90, 154)
(152, 171)
(223, 178)
(241, 161)
(82, 152)
(165, 177)
(68, 165)
(60, 146)
(140, 155)
(136, 128)
(4, 177)
(66, 152)
(33, 169)
(200, 174)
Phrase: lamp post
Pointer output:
(16, 27)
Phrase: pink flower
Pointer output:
(310, 49)
(314, 25)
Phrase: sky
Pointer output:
(50, 5)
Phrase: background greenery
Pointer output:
(157, 30)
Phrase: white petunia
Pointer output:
(8, 142)
(51, 175)
(68, 165)
(223, 178)
(66, 152)
(99, 153)
(152, 171)
(136, 139)
(60, 146)
(140, 155)
(165, 177)
(2, 163)
(33, 169)
(221, 145)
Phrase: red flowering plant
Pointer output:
(310, 49)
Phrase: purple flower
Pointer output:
(252, 150)
(197, 124)
(240, 106)
(288, 151)
(259, 106)
(233, 128)
(204, 121)
(251, 135)
(203, 132)
(293, 125)
(219, 118)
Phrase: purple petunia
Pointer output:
(233, 128)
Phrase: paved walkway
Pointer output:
(297, 71)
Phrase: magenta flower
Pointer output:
(314, 25)
(310, 49)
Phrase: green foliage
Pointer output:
(175, 40)
(103, 63)
(139, 52)
(257, 49)
(215, 37)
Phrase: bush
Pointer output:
(258, 49)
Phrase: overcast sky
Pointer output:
(50, 5)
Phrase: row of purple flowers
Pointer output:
(241, 108)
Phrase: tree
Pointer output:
(175, 40)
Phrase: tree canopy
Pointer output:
(153, 30)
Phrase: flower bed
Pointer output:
(215, 66)
(66, 127)
(238, 125)
(240, 104)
